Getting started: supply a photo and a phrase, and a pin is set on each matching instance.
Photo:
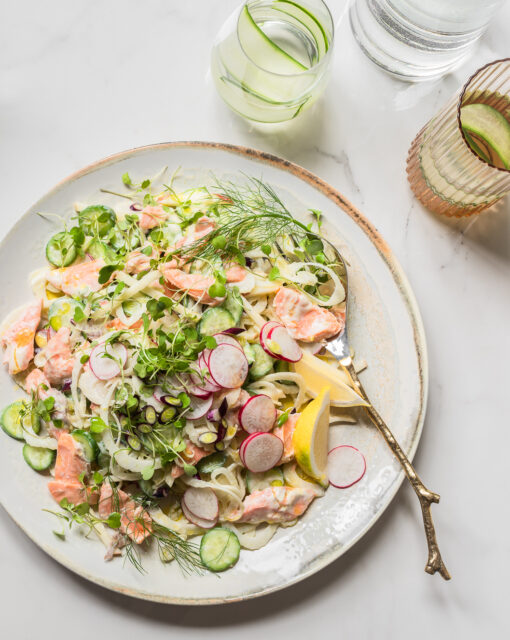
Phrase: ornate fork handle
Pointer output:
(426, 497)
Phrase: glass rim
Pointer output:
(459, 106)
(290, 75)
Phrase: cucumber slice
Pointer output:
(89, 445)
(100, 250)
(262, 50)
(61, 250)
(132, 307)
(262, 364)
(306, 19)
(212, 462)
(61, 312)
(249, 353)
(38, 458)
(281, 366)
(97, 220)
(233, 304)
(215, 320)
(11, 420)
(219, 549)
(260, 481)
(490, 131)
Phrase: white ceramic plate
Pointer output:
(384, 327)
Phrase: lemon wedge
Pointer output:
(317, 374)
(310, 438)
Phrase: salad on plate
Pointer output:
(175, 381)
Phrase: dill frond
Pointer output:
(251, 216)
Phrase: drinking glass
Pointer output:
(271, 57)
(444, 172)
(419, 39)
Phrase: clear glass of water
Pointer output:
(270, 59)
(419, 39)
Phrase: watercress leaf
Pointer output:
(77, 235)
(145, 183)
(266, 248)
(126, 179)
(217, 290)
(219, 242)
(185, 400)
(82, 509)
(113, 520)
(49, 403)
(147, 251)
(60, 534)
(273, 274)
(147, 473)
(106, 272)
(189, 469)
(97, 477)
(97, 425)
(210, 342)
(79, 315)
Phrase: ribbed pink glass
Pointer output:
(445, 174)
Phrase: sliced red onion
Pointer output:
(234, 331)
(136, 207)
(213, 415)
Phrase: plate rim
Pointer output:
(400, 280)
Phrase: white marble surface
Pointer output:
(81, 80)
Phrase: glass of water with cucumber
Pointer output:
(270, 59)
(459, 163)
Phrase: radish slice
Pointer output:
(228, 366)
(203, 358)
(199, 522)
(346, 466)
(222, 338)
(102, 366)
(202, 503)
(201, 378)
(196, 391)
(258, 414)
(198, 407)
(266, 328)
(282, 345)
(261, 452)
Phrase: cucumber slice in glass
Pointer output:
(11, 420)
(219, 549)
(89, 445)
(61, 250)
(308, 20)
(489, 130)
(38, 458)
(262, 50)
(97, 220)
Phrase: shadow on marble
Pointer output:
(489, 230)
